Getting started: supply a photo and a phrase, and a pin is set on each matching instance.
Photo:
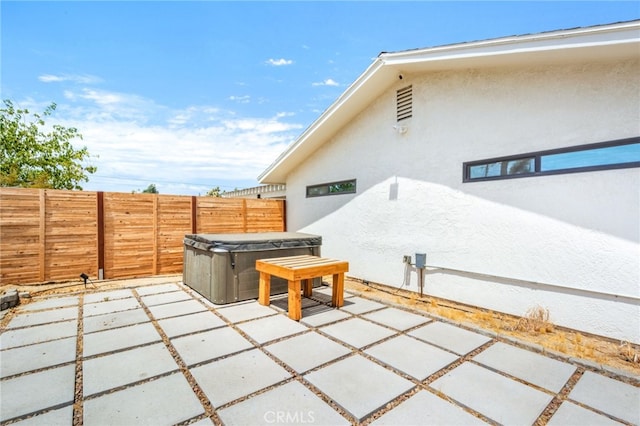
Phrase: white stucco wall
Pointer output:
(569, 243)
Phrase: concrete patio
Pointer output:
(162, 354)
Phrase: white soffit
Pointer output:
(583, 44)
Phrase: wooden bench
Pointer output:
(299, 271)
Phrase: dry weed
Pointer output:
(536, 320)
(629, 353)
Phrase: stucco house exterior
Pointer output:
(513, 163)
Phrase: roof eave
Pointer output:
(615, 40)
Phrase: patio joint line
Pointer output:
(12, 315)
(418, 384)
(461, 360)
(209, 410)
(119, 350)
(193, 419)
(256, 393)
(115, 328)
(295, 375)
(514, 378)
(78, 405)
(329, 401)
(130, 385)
(563, 395)
(37, 370)
(422, 384)
(425, 384)
(33, 343)
(560, 397)
(35, 413)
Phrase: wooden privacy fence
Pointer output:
(53, 235)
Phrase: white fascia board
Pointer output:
(582, 42)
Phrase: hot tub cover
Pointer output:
(258, 241)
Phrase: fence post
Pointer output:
(100, 231)
(42, 233)
(194, 214)
(284, 215)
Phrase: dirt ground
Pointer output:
(533, 328)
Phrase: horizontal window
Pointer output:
(333, 188)
(618, 154)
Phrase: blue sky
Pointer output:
(193, 95)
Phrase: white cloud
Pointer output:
(74, 78)
(186, 151)
(279, 62)
(104, 105)
(241, 99)
(327, 82)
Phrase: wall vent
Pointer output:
(404, 103)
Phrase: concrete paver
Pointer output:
(450, 337)
(610, 396)
(307, 351)
(430, 410)
(357, 332)
(291, 403)
(155, 289)
(246, 370)
(245, 311)
(176, 309)
(119, 338)
(60, 417)
(50, 303)
(167, 400)
(209, 345)
(264, 330)
(43, 317)
(34, 357)
(114, 320)
(239, 375)
(162, 298)
(105, 296)
(497, 397)
(396, 318)
(416, 358)
(534, 368)
(109, 306)
(191, 323)
(358, 305)
(38, 391)
(572, 414)
(41, 333)
(358, 385)
(114, 370)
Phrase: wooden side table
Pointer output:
(300, 271)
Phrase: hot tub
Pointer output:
(221, 267)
